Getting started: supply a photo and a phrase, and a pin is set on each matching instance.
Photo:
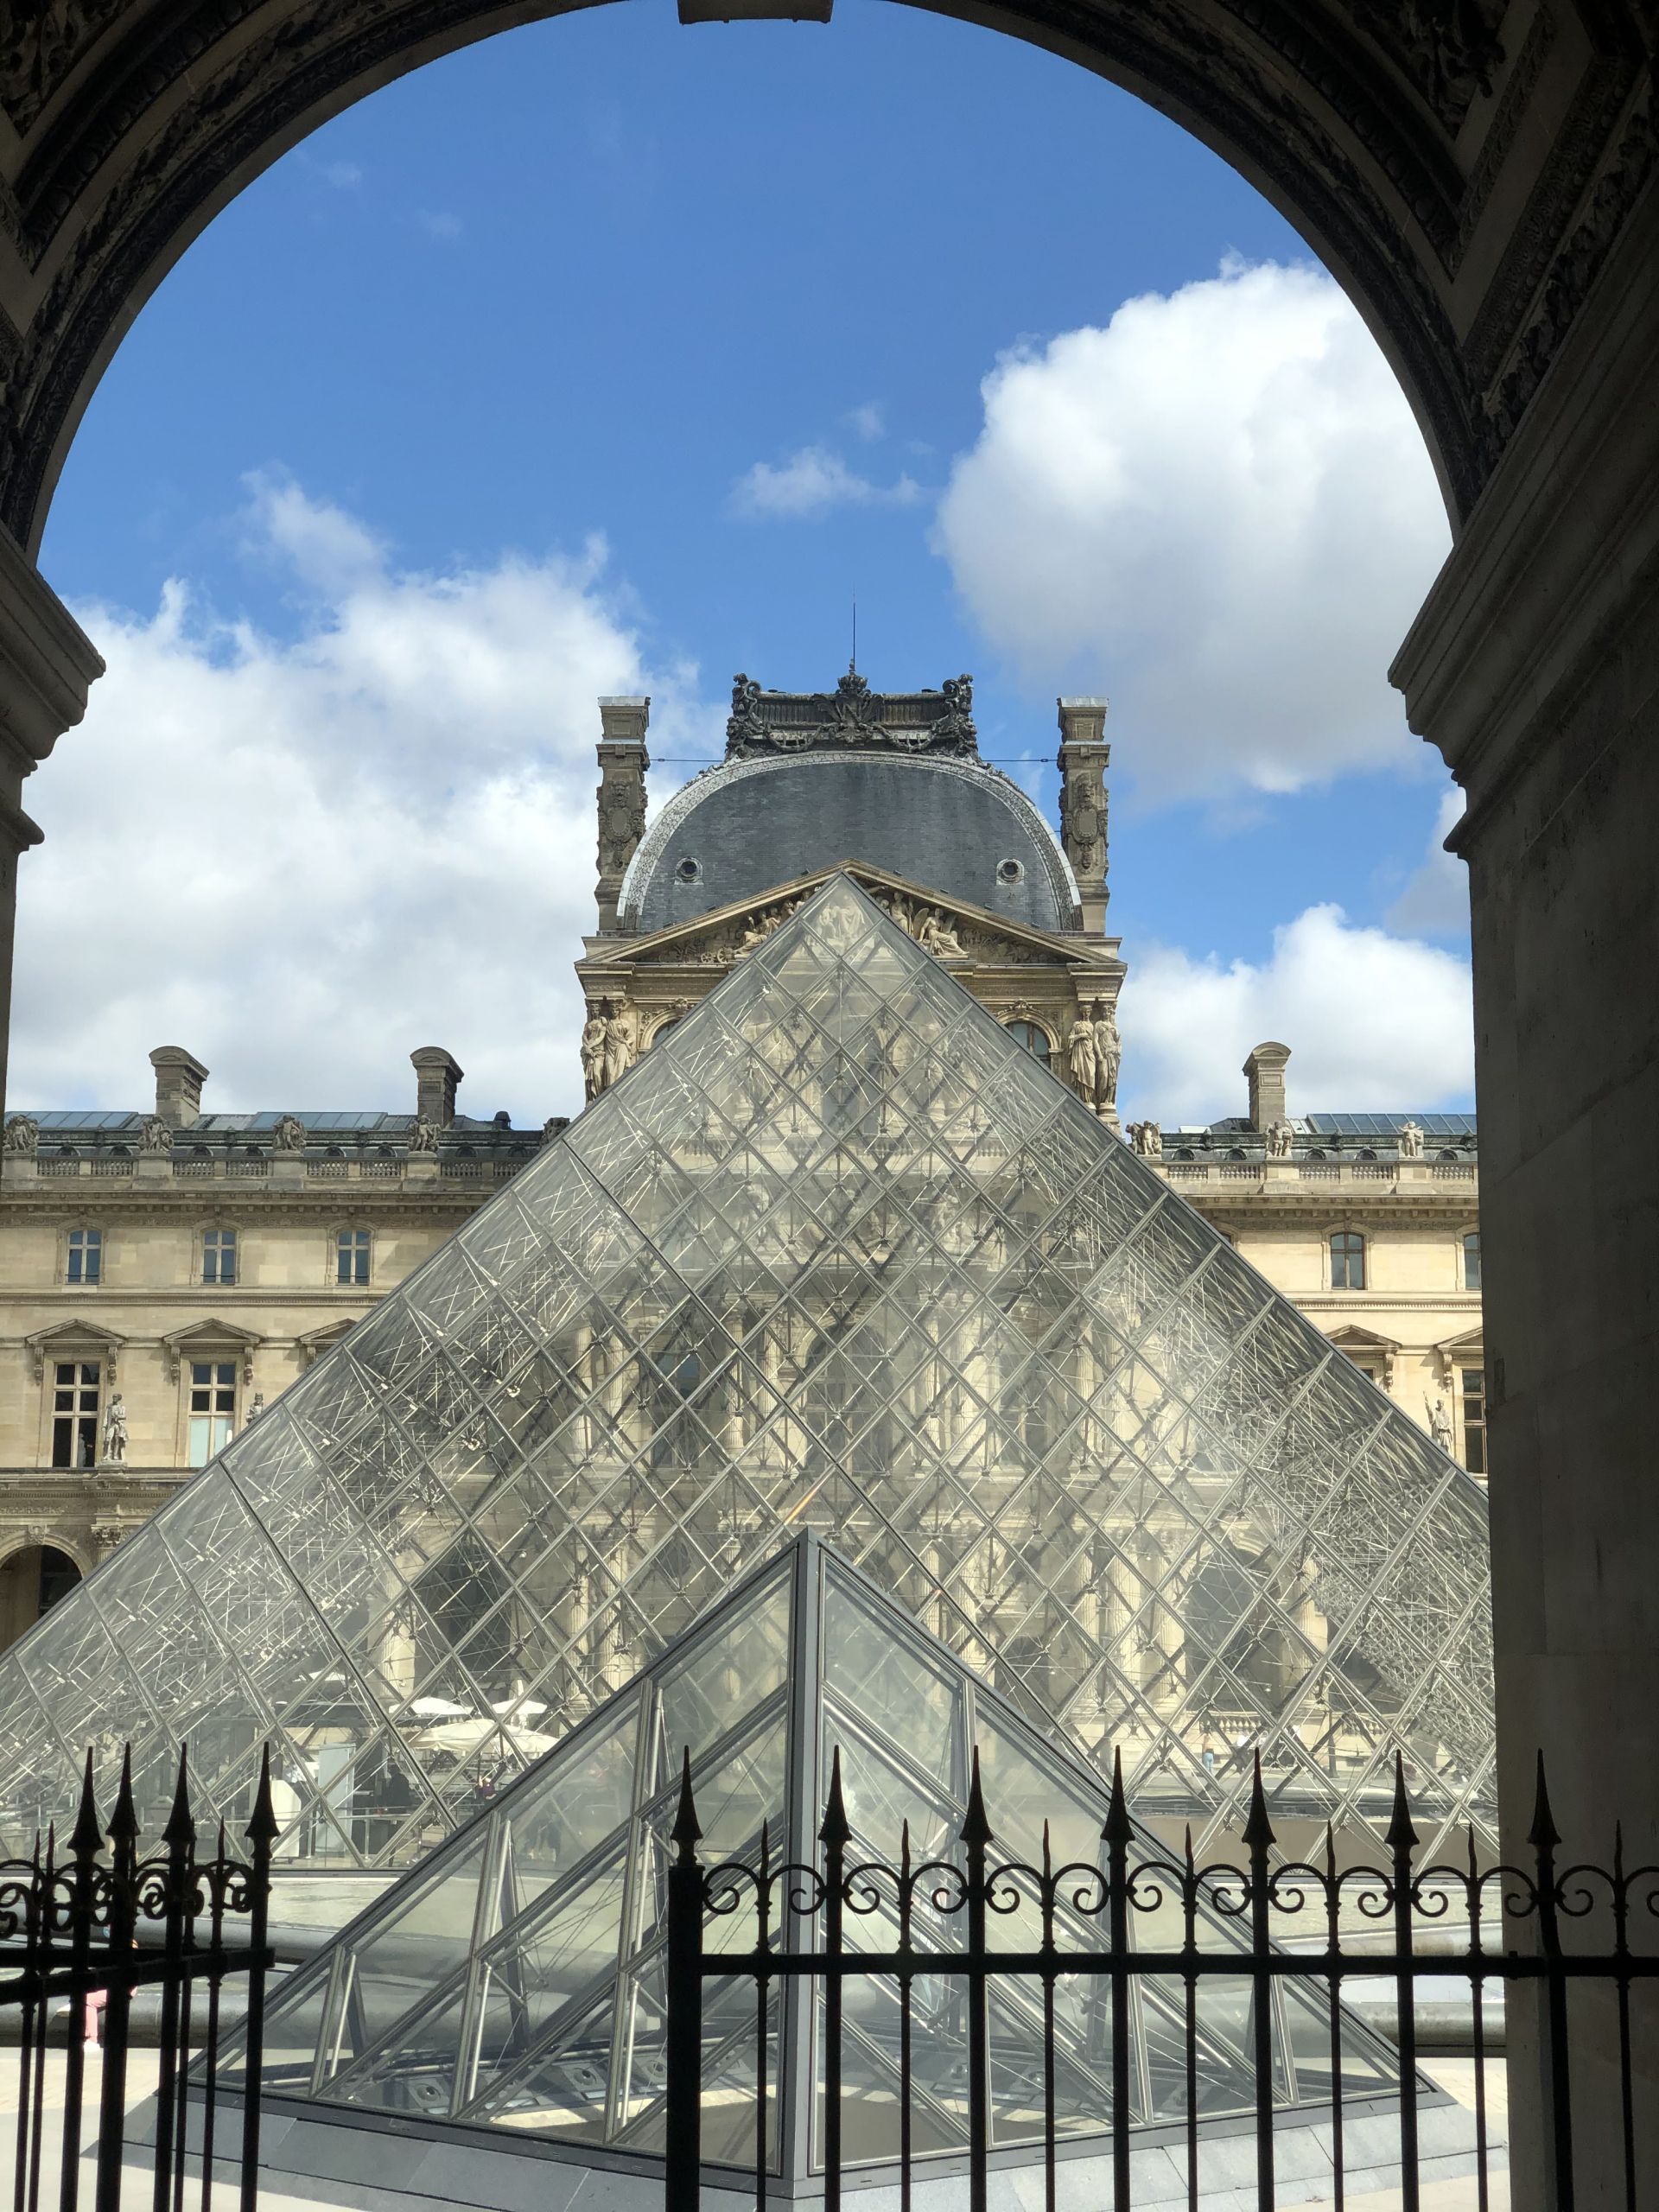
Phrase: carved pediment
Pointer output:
(202, 1339)
(950, 928)
(66, 1339)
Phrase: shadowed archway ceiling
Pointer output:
(1461, 166)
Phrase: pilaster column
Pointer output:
(623, 762)
(1535, 667)
(46, 665)
(1083, 757)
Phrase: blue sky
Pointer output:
(608, 351)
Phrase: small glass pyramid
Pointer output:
(516, 1978)
(837, 1254)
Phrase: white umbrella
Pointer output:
(439, 1708)
(465, 1737)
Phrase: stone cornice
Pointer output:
(47, 662)
(1530, 599)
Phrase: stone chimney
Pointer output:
(1265, 1072)
(179, 1077)
(623, 761)
(437, 1074)
(1083, 757)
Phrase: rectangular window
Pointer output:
(1474, 1419)
(76, 1392)
(86, 1258)
(212, 1407)
(1472, 1262)
(1347, 1261)
(218, 1256)
(352, 1256)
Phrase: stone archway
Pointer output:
(1480, 175)
(33, 1577)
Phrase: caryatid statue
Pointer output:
(593, 1053)
(619, 1050)
(1082, 1058)
(115, 1431)
(1109, 1053)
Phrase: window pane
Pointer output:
(1472, 1262)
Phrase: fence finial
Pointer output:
(1118, 1827)
(180, 1825)
(1544, 1836)
(86, 1837)
(1401, 1836)
(837, 1833)
(685, 1831)
(1258, 1829)
(976, 1831)
(262, 1821)
(123, 1820)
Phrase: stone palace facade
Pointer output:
(165, 1274)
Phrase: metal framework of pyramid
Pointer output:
(516, 1978)
(837, 1254)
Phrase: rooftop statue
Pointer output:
(936, 723)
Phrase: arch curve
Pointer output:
(133, 139)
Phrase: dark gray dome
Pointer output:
(949, 826)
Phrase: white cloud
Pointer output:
(1436, 898)
(1218, 509)
(440, 225)
(807, 484)
(869, 421)
(1375, 1023)
(302, 859)
(343, 175)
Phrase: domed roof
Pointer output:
(810, 778)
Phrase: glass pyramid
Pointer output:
(837, 1254)
(516, 1978)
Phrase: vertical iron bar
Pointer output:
(762, 1991)
(34, 1967)
(117, 2001)
(37, 2118)
(188, 1905)
(833, 1835)
(1190, 1946)
(1258, 1838)
(176, 1836)
(683, 2033)
(1478, 1991)
(215, 1980)
(1544, 1840)
(261, 1833)
(1333, 1944)
(1048, 2023)
(1402, 1841)
(904, 1993)
(974, 1836)
(1622, 1951)
(1118, 1833)
(86, 1842)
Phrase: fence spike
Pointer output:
(1618, 1854)
(1544, 1836)
(1117, 1827)
(976, 1831)
(685, 1831)
(87, 1838)
(904, 1849)
(262, 1821)
(1048, 1857)
(837, 1833)
(180, 1825)
(1401, 1836)
(1258, 1829)
(123, 1820)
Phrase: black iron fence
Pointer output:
(82, 1936)
(753, 1942)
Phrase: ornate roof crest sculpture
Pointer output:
(938, 722)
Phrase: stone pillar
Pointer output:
(1265, 1073)
(1533, 666)
(46, 665)
(437, 1074)
(623, 762)
(179, 1078)
(1083, 757)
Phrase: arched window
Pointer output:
(1347, 1260)
(663, 1028)
(1034, 1037)
(1471, 1261)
